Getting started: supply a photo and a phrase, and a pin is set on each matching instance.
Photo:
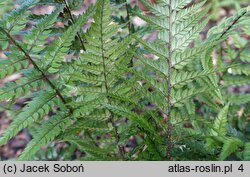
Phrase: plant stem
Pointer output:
(234, 22)
(169, 62)
(30, 60)
(73, 21)
(111, 118)
(130, 29)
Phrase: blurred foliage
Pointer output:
(6, 6)
(216, 6)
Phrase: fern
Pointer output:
(170, 50)
(103, 87)
(220, 122)
(44, 101)
(50, 130)
(94, 72)
(35, 110)
(230, 146)
(246, 152)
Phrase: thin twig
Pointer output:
(73, 21)
(234, 22)
(31, 61)
(111, 118)
(168, 121)
(130, 28)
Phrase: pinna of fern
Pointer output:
(24, 58)
(178, 23)
(95, 79)
(92, 78)
(94, 104)
(236, 78)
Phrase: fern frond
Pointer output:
(180, 4)
(16, 19)
(158, 23)
(35, 110)
(48, 132)
(157, 65)
(158, 10)
(246, 153)
(56, 52)
(133, 116)
(180, 96)
(92, 151)
(239, 98)
(180, 79)
(155, 48)
(184, 14)
(22, 86)
(230, 146)
(13, 64)
(36, 36)
(220, 123)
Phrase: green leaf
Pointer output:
(35, 110)
(230, 146)
(47, 133)
(220, 123)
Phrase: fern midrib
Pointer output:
(234, 22)
(111, 119)
(35, 66)
(73, 21)
(169, 63)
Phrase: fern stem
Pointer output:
(27, 56)
(111, 119)
(169, 125)
(130, 29)
(130, 25)
(73, 21)
(234, 22)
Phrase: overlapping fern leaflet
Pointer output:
(48, 132)
(35, 109)
(55, 53)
